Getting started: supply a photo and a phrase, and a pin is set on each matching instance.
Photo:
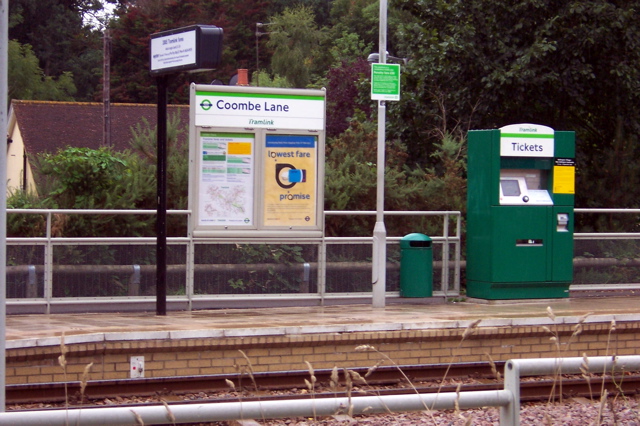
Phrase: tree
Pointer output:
(61, 39)
(359, 17)
(27, 81)
(321, 8)
(350, 181)
(264, 79)
(131, 81)
(347, 94)
(294, 38)
(571, 65)
(83, 178)
(144, 143)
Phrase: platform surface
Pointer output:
(45, 330)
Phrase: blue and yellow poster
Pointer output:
(290, 175)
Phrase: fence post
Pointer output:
(456, 279)
(445, 256)
(134, 281)
(32, 283)
(510, 414)
(48, 265)
(304, 281)
(322, 270)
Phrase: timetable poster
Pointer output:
(226, 179)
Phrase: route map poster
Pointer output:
(226, 179)
(290, 173)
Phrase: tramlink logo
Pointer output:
(261, 122)
(206, 104)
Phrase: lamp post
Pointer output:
(4, 91)
(375, 57)
(379, 264)
(258, 34)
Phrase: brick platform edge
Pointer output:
(224, 355)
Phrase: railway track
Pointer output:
(262, 386)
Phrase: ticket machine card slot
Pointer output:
(563, 222)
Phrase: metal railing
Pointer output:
(88, 273)
(54, 273)
(507, 399)
(606, 260)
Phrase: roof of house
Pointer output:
(49, 126)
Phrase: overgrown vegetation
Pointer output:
(350, 182)
(83, 178)
(473, 64)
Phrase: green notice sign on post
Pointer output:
(385, 82)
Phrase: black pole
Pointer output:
(161, 217)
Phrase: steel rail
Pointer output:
(384, 376)
(507, 399)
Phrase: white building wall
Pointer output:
(16, 160)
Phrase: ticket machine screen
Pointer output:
(510, 187)
(524, 187)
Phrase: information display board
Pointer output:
(193, 48)
(385, 82)
(564, 173)
(256, 161)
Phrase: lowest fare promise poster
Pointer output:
(290, 175)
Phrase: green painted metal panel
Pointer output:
(519, 243)
(517, 290)
(482, 153)
(562, 248)
(518, 251)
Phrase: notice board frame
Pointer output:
(230, 126)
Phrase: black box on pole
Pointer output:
(193, 48)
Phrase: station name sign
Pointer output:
(194, 48)
(526, 140)
(257, 110)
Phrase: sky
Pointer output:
(95, 21)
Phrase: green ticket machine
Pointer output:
(520, 198)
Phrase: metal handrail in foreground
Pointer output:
(507, 399)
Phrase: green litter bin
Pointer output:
(416, 266)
